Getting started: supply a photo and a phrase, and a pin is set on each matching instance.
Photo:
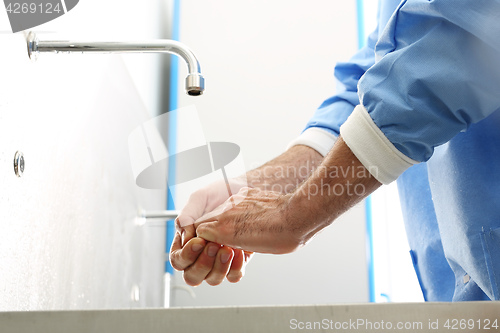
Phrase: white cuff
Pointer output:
(316, 138)
(372, 148)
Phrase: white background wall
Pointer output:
(67, 225)
(268, 65)
(68, 238)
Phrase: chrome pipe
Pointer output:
(160, 214)
(195, 83)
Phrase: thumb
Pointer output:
(229, 204)
(213, 232)
(183, 220)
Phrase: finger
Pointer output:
(217, 232)
(186, 232)
(240, 261)
(209, 232)
(230, 203)
(183, 220)
(211, 216)
(197, 272)
(176, 243)
(194, 208)
(236, 272)
(183, 257)
(221, 266)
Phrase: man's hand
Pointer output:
(195, 261)
(259, 223)
(201, 260)
(271, 222)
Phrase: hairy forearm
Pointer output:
(336, 185)
(286, 172)
(272, 222)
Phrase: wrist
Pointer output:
(287, 171)
(304, 214)
(337, 185)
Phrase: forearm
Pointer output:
(286, 172)
(336, 185)
(271, 222)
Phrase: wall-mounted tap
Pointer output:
(195, 83)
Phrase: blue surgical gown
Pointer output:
(428, 81)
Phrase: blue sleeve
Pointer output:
(437, 71)
(335, 110)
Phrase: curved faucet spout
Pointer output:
(195, 83)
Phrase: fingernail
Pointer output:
(212, 250)
(196, 247)
(225, 257)
(182, 236)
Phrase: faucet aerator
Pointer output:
(194, 93)
(195, 84)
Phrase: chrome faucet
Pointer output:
(195, 83)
